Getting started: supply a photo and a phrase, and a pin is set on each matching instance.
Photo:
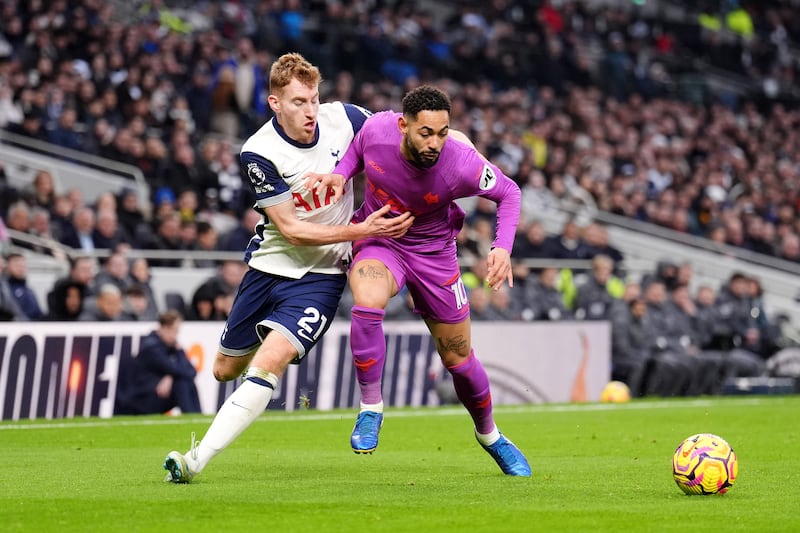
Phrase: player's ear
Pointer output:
(273, 102)
(402, 124)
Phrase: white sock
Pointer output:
(489, 438)
(246, 404)
(375, 407)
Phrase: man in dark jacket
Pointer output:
(161, 377)
(672, 340)
(593, 300)
(16, 276)
(541, 299)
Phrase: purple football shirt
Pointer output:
(428, 193)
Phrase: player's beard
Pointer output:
(420, 159)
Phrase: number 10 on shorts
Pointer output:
(460, 293)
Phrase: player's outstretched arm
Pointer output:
(499, 263)
(315, 180)
(303, 233)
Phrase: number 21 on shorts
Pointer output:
(312, 325)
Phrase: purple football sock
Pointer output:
(472, 387)
(369, 350)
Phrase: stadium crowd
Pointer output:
(567, 97)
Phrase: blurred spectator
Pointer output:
(107, 234)
(131, 219)
(8, 193)
(532, 243)
(198, 96)
(114, 271)
(568, 244)
(168, 238)
(501, 305)
(32, 125)
(107, 305)
(42, 192)
(789, 248)
(227, 183)
(65, 301)
(80, 236)
(9, 306)
(66, 133)
(160, 377)
(736, 316)
(529, 243)
(631, 346)
(136, 305)
(769, 330)
(237, 239)
(676, 373)
(139, 272)
(479, 302)
(597, 293)
(207, 241)
(224, 106)
(203, 304)
(540, 298)
(61, 218)
(188, 236)
(476, 274)
(249, 86)
(212, 300)
(40, 227)
(596, 240)
(15, 276)
(19, 219)
(81, 273)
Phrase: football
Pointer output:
(615, 392)
(704, 464)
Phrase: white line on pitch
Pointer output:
(399, 413)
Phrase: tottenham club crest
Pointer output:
(488, 179)
(258, 178)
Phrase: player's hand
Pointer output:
(164, 387)
(315, 180)
(499, 262)
(378, 224)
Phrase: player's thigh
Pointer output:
(453, 341)
(372, 283)
(434, 282)
(303, 312)
(299, 309)
(275, 353)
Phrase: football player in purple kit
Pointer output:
(410, 164)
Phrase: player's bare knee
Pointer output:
(228, 368)
(223, 374)
(453, 358)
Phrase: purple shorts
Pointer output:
(433, 278)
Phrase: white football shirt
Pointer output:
(275, 165)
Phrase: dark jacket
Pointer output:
(138, 376)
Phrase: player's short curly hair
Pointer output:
(289, 66)
(425, 98)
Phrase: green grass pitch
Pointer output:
(595, 468)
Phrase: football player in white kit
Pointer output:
(297, 257)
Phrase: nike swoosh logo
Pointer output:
(287, 176)
(240, 406)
